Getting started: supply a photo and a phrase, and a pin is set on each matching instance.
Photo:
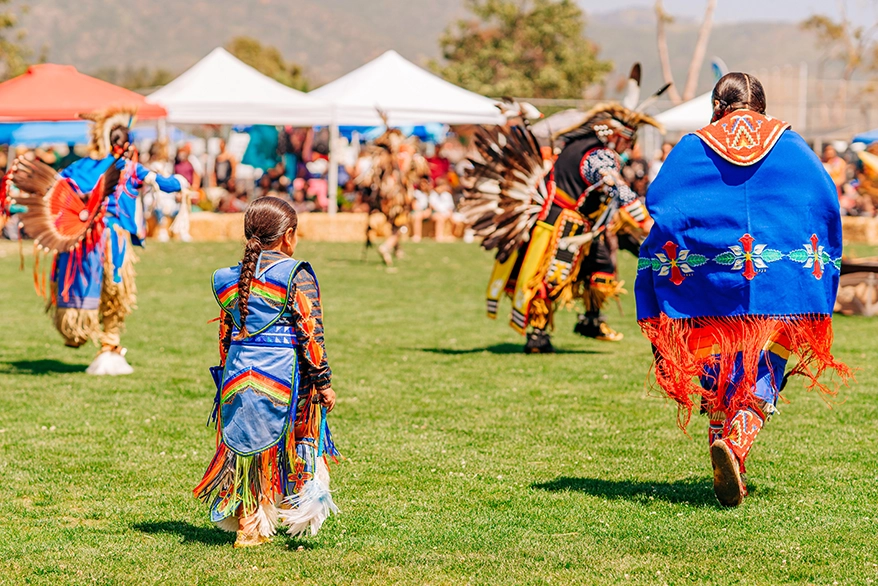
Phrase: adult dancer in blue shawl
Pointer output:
(739, 272)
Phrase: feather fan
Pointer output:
(506, 189)
(59, 216)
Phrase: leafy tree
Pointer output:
(135, 78)
(852, 46)
(269, 61)
(525, 48)
(14, 55)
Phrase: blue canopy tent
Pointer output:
(150, 133)
(433, 132)
(867, 137)
(34, 134)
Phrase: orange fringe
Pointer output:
(678, 364)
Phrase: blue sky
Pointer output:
(738, 10)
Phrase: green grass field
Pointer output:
(467, 462)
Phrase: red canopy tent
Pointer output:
(51, 93)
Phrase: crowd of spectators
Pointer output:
(855, 181)
(298, 171)
(298, 167)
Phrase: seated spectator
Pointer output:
(421, 208)
(164, 206)
(233, 203)
(657, 163)
(442, 206)
(848, 200)
(360, 205)
(636, 171)
(835, 166)
(439, 165)
(302, 204)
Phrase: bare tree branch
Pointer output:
(662, 18)
(700, 51)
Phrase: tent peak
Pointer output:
(49, 67)
(222, 89)
(406, 93)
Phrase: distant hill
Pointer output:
(331, 37)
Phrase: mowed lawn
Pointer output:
(467, 461)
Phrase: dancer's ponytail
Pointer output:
(266, 221)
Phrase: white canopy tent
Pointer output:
(220, 89)
(405, 93)
(688, 116)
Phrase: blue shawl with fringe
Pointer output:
(758, 237)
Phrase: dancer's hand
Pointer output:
(327, 398)
(123, 155)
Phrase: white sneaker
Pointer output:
(109, 363)
(163, 235)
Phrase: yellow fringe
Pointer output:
(77, 326)
(593, 298)
(118, 300)
(542, 315)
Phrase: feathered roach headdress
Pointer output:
(392, 138)
(104, 123)
(610, 118)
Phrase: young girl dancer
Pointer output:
(274, 388)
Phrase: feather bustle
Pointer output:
(505, 189)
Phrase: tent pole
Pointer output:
(332, 190)
(161, 129)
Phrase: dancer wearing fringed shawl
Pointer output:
(274, 388)
(739, 273)
(86, 218)
(548, 221)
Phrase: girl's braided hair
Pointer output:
(737, 91)
(266, 221)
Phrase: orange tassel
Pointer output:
(37, 271)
